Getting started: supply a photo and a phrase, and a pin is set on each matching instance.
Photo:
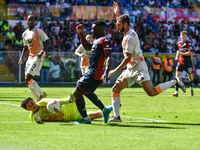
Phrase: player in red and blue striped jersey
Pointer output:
(100, 53)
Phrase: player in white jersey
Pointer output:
(137, 71)
(33, 39)
(85, 55)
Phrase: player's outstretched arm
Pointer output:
(116, 9)
(84, 42)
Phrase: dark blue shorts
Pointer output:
(87, 84)
(180, 68)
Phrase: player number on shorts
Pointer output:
(189, 70)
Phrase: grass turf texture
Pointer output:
(161, 122)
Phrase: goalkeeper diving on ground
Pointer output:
(68, 112)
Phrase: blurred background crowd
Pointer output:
(150, 19)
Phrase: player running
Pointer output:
(100, 52)
(85, 55)
(137, 71)
(183, 56)
(33, 39)
(69, 111)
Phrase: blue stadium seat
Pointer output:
(179, 6)
(110, 4)
(123, 1)
(171, 6)
(129, 6)
(80, 1)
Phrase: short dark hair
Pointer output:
(25, 101)
(125, 19)
(99, 23)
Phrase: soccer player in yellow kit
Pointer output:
(69, 111)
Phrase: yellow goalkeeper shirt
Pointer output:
(69, 111)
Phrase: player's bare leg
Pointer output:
(178, 73)
(32, 84)
(191, 79)
(119, 85)
(95, 115)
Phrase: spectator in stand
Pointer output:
(183, 26)
(155, 26)
(184, 3)
(38, 21)
(150, 20)
(142, 3)
(196, 48)
(74, 25)
(10, 36)
(53, 32)
(66, 46)
(154, 49)
(134, 14)
(6, 27)
(158, 3)
(169, 26)
(2, 45)
(164, 7)
(19, 42)
(17, 29)
(168, 3)
(41, 26)
(51, 24)
(153, 33)
(56, 27)
(191, 8)
(104, 3)
(145, 49)
(169, 47)
(162, 48)
(147, 7)
(55, 71)
(192, 40)
(176, 2)
(174, 49)
(189, 30)
(170, 39)
(151, 2)
(156, 62)
(59, 41)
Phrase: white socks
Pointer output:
(34, 93)
(116, 103)
(167, 85)
(36, 87)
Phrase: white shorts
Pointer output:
(84, 70)
(138, 74)
(33, 66)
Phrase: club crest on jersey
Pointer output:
(184, 44)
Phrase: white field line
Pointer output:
(139, 119)
(9, 104)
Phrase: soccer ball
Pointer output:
(54, 106)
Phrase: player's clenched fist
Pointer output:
(79, 28)
(20, 62)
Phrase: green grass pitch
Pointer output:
(162, 122)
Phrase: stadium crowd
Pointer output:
(155, 36)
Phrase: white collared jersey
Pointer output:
(34, 40)
(131, 44)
